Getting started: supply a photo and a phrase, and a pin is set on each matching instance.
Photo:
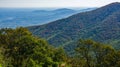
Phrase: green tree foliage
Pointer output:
(60, 55)
(21, 49)
(95, 54)
(85, 50)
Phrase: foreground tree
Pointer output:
(18, 45)
(21, 49)
(84, 51)
(95, 54)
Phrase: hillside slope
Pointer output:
(102, 24)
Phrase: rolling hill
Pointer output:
(102, 24)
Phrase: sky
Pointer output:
(54, 3)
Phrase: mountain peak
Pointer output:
(64, 9)
(114, 4)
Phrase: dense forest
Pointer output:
(102, 24)
(19, 48)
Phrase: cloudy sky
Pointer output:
(55, 3)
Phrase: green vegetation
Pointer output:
(102, 24)
(19, 48)
(94, 54)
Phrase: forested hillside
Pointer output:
(102, 24)
(19, 48)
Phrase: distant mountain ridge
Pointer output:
(13, 18)
(56, 10)
(102, 24)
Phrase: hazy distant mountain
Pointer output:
(57, 10)
(102, 24)
(27, 17)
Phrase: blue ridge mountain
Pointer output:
(102, 24)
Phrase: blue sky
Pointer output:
(55, 3)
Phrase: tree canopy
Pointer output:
(20, 48)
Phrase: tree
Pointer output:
(59, 55)
(18, 45)
(96, 54)
(84, 48)
(21, 49)
(101, 53)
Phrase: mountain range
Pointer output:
(102, 25)
(17, 17)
